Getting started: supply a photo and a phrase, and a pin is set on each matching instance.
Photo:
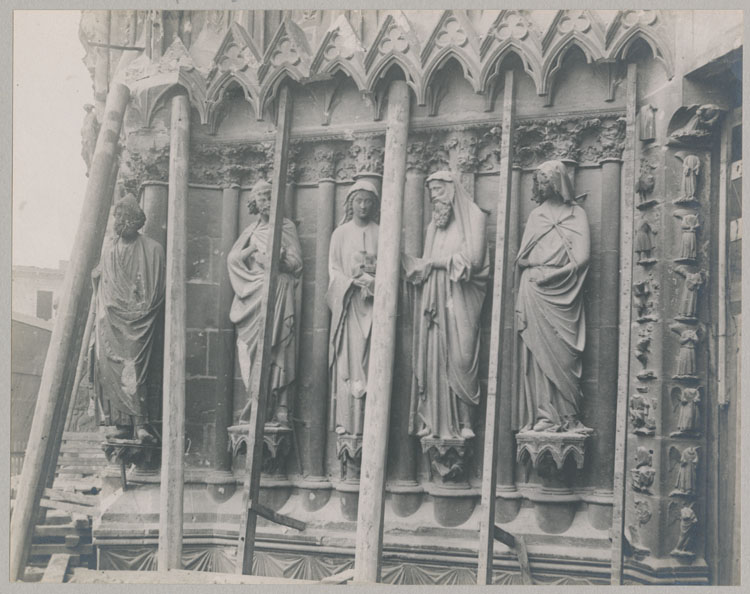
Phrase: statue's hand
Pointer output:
(366, 282)
(523, 263)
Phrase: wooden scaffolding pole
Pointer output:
(489, 470)
(369, 540)
(173, 415)
(260, 386)
(54, 390)
(626, 300)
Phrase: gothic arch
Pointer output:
(531, 64)
(469, 67)
(659, 48)
(216, 93)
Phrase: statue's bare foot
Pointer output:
(577, 427)
(467, 433)
(143, 435)
(115, 432)
(340, 430)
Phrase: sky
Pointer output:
(50, 85)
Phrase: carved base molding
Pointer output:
(277, 443)
(448, 461)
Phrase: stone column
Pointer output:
(316, 487)
(369, 541)
(406, 492)
(603, 415)
(173, 418)
(155, 207)
(225, 344)
(509, 499)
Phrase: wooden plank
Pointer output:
(260, 386)
(489, 465)
(175, 576)
(58, 531)
(60, 495)
(523, 560)
(82, 436)
(33, 574)
(52, 549)
(369, 539)
(72, 540)
(339, 578)
(173, 422)
(78, 469)
(625, 321)
(56, 569)
(269, 514)
(65, 506)
(504, 537)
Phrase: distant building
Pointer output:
(36, 290)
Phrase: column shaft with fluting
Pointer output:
(369, 541)
(173, 410)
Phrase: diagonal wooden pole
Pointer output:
(369, 540)
(171, 491)
(261, 381)
(51, 407)
(489, 470)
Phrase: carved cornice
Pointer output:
(579, 138)
(368, 154)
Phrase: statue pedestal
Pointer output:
(555, 457)
(349, 453)
(454, 500)
(275, 487)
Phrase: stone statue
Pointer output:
(553, 260)
(89, 134)
(644, 244)
(690, 223)
(687, 471)
(647, 123)
(689, 299)
(691, 168)
(646, 182)
(688, 532)
(686, 362)
(453, 273)
(129, 292)
(687, 401)
(246, 263)
(701, 124)
(351, 269)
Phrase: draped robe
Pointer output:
(447, 358)
(351, 322)
(246, 277)
(129, 299)
(550, 317)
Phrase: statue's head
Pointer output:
(260, 199)
(442, 192)
(129, 217)
(551, 181)
(362, 202)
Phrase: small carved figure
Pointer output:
(701, 123)
(642, 348)
(644, 244)
(352, 261)
(246, 263)
(129, 286)
(688, 418)
(642, 476)
(452, 274)
(686, 361)
(691, 169)
(689, 244)
(687, 471)
(648, 123)
(641, 293)
(689, 299)
(89, 134)
(640, 415)
(646, 183)
(553, 259)
(688, 532)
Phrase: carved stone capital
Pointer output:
(349, 453)
(367, 154)
(536, 445)
(448, 459)
(324, 164)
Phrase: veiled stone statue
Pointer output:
(351, 268)
(246, 263)
(129, 293)
(553, 261)
(453, 274)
